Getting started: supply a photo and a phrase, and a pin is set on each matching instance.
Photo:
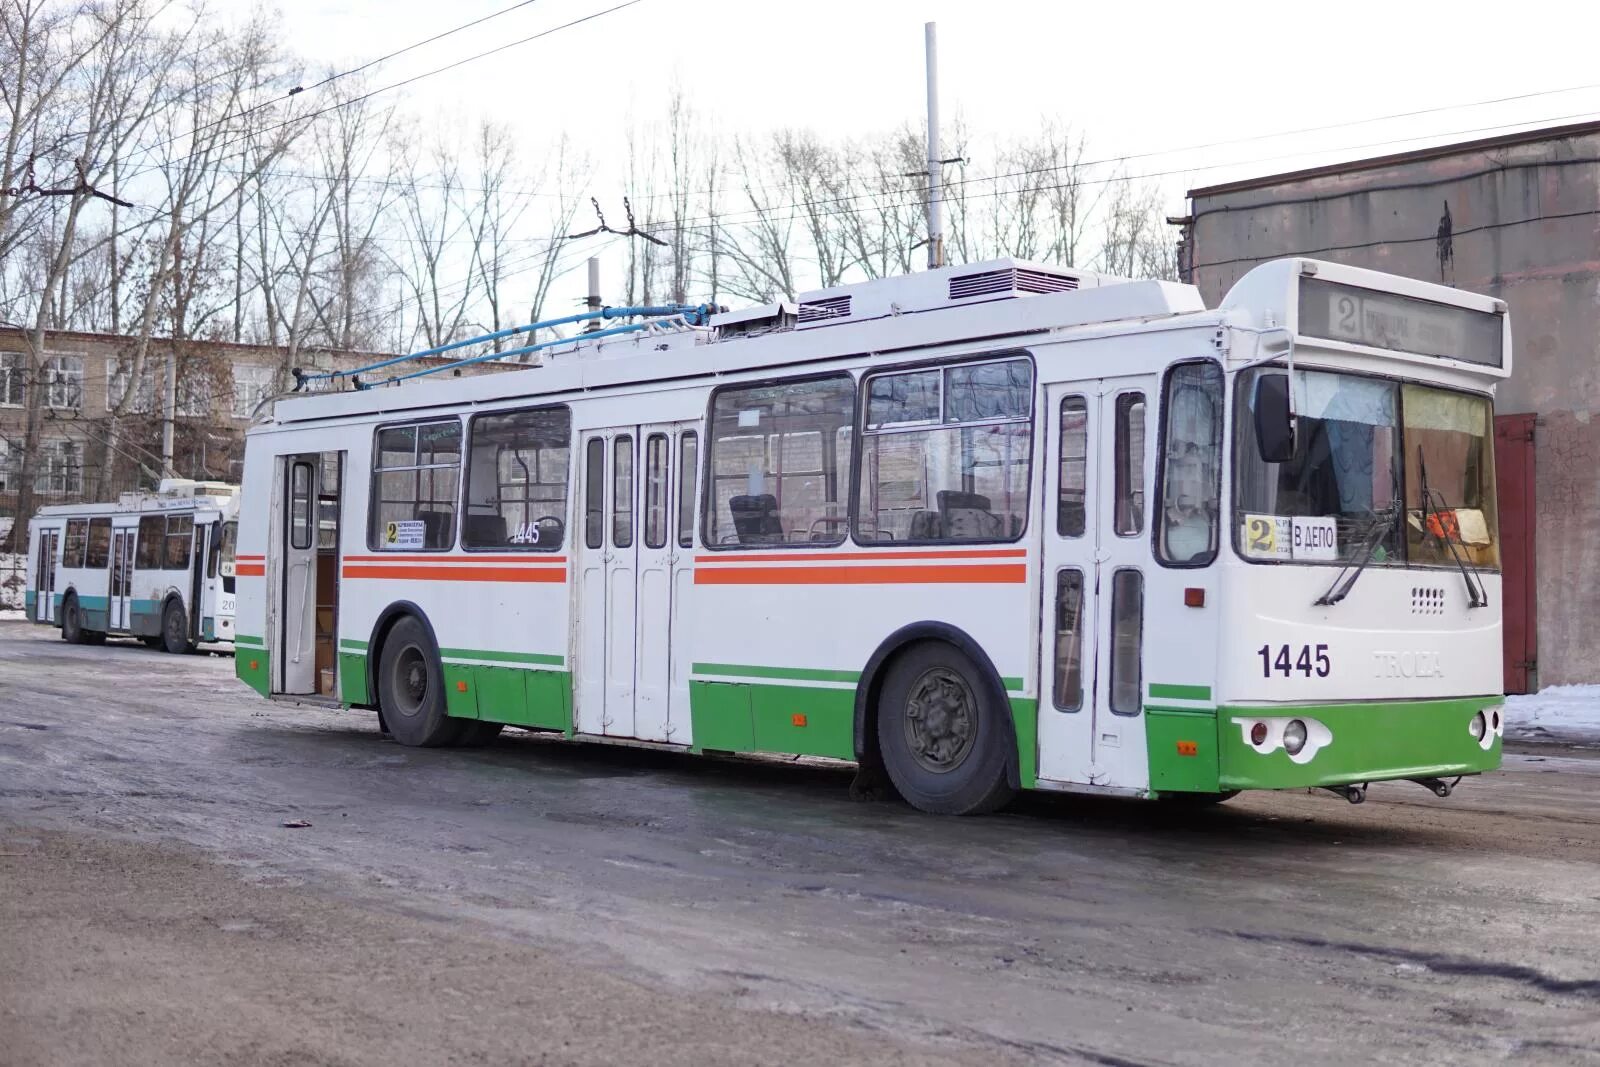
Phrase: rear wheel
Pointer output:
(175, 629)
(71, 621)
(411, 688)
(943, 737)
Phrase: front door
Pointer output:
(1096, 553)
(45, 604)
(121, 584)
(632, 558)
(201, 588)
(297, 538)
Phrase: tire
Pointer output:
(945, 739)
(72, 622)
(476, 733)
(175, 630)
(411, 688)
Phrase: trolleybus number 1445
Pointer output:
(1312, 659)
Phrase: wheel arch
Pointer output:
(380, 632)
(869, 688)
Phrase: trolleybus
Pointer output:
(158, 566)
(985, 528)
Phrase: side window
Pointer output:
(180, 541)
(622, 492)
(99, 553)
(594, 492)
(300, 510)
(72, 549)
(517, 472)
(152, 542)
(1191, 461)
(416, 473)
(655, 491)
(1068, 689)
(1071, 516)
(688, 475)
(777, 473)
(1127, 639)
(945, 454)
(1130, 464)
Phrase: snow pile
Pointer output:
(13, 580)
(1560, 713)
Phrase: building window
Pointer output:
(119, 373)
(416, 474)
(252, 383)
(60, 470)
(780, 463)
(13, 366)
(517, 481)
(1191, 464)
(194, 399)
(63, 382)
(945, 454)
(8, 470)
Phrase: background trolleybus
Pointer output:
(153, 565)
(985, 528)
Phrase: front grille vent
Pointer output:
(831, 307)
(1427, 600)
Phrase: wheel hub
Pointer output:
(941, 720)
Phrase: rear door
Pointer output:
(123, 541)
(296, 652)
(665, 570)
(44, 607)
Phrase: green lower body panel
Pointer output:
(353, 678)
(1364, 742)
(1182, 744)
(1025, 718)
(720, 715)
(516, 696)
(29, 599)
(251, 665)
(793, 720)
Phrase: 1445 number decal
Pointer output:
(1282, 659)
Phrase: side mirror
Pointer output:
(1274, 419)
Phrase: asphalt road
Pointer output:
(542, 901)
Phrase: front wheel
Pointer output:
(944, 738)
(411, 688)
(175, 629)
(72, 631)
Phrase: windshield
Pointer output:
(1363, 445)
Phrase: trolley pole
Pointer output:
(935, 194)
(593, 302)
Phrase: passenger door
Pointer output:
(296, 646)
(1099, 467)
(630, 563)
(44, 608)
(123, 541)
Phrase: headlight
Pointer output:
(1294, 737)
(1258, 734)
(1477, 727)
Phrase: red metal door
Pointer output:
(1513, 466)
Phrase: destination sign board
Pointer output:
(1399, 323)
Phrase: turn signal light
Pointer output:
(1194, 597)
(797, 719)
(461, 687)
(1258, 734)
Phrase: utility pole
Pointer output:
(593, 302)
(935, 160)
(169, 409)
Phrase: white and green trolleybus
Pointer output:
(981, 529)
(155, 565)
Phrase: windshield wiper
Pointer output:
(1479, 595)
(1341, 584)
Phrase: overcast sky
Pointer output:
(1134, 77)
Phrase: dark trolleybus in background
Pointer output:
(986, 528)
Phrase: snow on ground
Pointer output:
(1560, 713)
(13, 580)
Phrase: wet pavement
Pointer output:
(1287, 927)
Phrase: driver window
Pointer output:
(517, 474)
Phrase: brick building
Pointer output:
(1517, 217)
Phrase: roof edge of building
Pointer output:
(1545, 133)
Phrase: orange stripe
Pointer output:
(826, 557)
(241, 559)
(461, 574)
(978, 574)
(250, 570)
(475, 558)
